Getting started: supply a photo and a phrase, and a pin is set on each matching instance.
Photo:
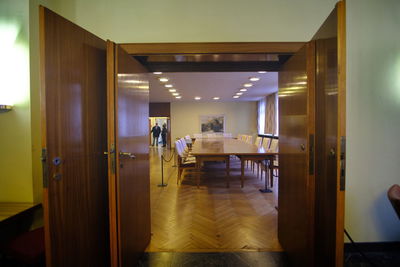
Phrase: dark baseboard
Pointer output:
(372, 247)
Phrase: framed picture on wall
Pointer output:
(212, 123)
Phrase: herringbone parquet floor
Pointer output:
(213, 217)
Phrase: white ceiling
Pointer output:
(212, 84)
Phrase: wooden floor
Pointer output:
(212, 218)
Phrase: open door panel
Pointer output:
(73, 101)
(129, 175)
(296, 140)
(312, 148)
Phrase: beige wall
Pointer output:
(373, 118)
(128, 21)
(240, 117)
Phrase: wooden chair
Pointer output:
(197, 136)
(257, 143)
(394, 197)
(275, 164)
(184, 161)
(266, 143)
(249, 139)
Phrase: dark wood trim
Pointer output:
(112, 195)
(161, 109)
(268, 136)
(211, 48)
(340, 194)
(46, 211)
(371, 247)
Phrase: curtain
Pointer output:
(270, 114)
(261, 115)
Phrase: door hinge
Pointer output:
(45, 171)
(342, 163)
(311, 155)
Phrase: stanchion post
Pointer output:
(162, 172)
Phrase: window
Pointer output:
(261, 115)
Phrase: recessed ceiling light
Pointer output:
(216, 98)
(239, 93)
(172, 90)
(248, 85)
(197, 98)
(235, 96)
(163, 80)
(243, 90)
(262, 71)
(179, 97)
(175, 94)
(254, 79)
(157, 72)
(169, 85)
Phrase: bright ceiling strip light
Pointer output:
(163, 80)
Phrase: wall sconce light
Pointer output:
(5, 108)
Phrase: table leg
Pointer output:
(198, 168)
(271, 169)
(270, 173)
(227, 171)
(242, 171)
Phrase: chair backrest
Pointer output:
(258, 141)
(178, 148)
(394, 197)
(249, 139)
(188, 139)
(274, 145)
(197, 135)
(227, 135)
(266, 142)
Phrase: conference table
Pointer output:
(220, 149)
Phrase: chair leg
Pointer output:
(180, 170)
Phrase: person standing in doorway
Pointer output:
(164, 135)
(156, 130)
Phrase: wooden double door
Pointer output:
(312, 148)
(95, 101)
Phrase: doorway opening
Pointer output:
(161, 122)
(213, 218)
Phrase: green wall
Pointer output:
(373, 118)
(15, 133)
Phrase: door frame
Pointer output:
(273, 47)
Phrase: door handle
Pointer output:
(302, 147)
(127, 154)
